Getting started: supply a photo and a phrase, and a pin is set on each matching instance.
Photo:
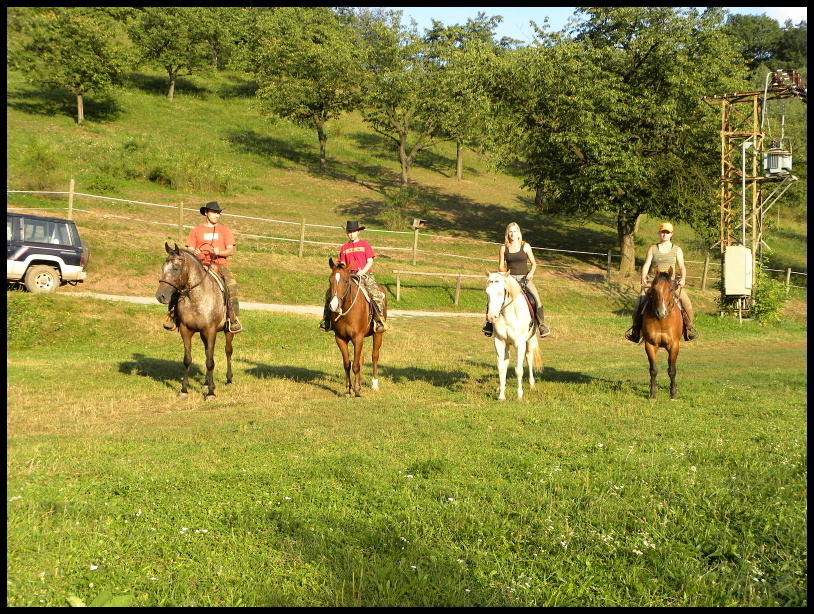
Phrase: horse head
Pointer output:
(339, 284)
(501, 289)
(661, 293)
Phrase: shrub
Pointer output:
(769, 297)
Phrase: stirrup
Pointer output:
(488, 329)
(169, 323)
(543, 329)
(325, 326)
(633, 335)
(379, 327)
(234, 327)
(690, 334)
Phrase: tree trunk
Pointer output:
(626, 225)
(171, 91)
(405, 160)
(459, 165)
(323, 140)
(80, 108)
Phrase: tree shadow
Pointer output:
(52, 102)
(271, 149)
(160, 84)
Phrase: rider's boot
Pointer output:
(690, 332)
(488, 329)
(543, 328)
(379, 323)
(234, 323)
(325, 324)
(634, 333)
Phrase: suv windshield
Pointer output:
(46, 231)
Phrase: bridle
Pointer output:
(670, 304)
(348, 283)
(183, 288)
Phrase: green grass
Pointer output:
(427, 492)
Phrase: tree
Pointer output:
(612, 118)
(792, 50)
(173, 38)
(404, 99)
(758, 37)
(309, 66)
(78, 49)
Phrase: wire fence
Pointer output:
(414, 245)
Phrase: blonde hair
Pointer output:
(508, 228)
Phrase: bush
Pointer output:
(769, 297)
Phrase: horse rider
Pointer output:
(515, 255)
(357, 254)
(213, 243)
(662, 256)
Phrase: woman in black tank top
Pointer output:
(515, 256)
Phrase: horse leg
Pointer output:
(358, 348)
(530, 348)
(518, 365)
(229, 337)
(651, 351)
(209, 338)
(343, 347)
(672, 357)
(186, 336)
(502, 365)
(377, 343)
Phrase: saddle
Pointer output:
(532, 304)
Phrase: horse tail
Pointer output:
(537, 361)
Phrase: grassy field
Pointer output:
(426, 492)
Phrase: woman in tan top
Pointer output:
(515, 256)
(662, 256)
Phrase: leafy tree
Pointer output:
(173, 38)
(792, 50)
(309, 65)
(758, 37)
(404, 99)
(78, 49)
(612, 118)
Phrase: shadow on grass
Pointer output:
(436, 377)
(54, 102)
(167, 372)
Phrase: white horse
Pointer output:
(509, 312)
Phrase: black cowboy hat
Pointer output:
(352, 225)
(211, 206)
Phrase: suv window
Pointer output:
(46, 231)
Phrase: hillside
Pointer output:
(212, 143)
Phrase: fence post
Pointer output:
(398, 286)
(181, 237)
(70, 200)
(788, 279)
(609, 266)
(706, 270)
(458, 288)
(302, 236)
(415, 243)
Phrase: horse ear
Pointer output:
(655, 272)
(167, 247)
(670, 272)
(331, 263)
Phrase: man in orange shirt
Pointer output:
(213, 242)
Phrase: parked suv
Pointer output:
(44, 253)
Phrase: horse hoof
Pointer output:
(209, 397)
(374, 384)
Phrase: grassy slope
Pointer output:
(213, 138)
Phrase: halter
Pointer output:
(348, 283)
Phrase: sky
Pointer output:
(516, 19)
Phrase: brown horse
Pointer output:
(662, 327)
(200, 308)
(352, 321)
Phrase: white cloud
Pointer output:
(782, 13)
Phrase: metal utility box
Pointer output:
(737, 271)
(777, 161)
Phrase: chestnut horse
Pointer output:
(352, 321)
(662, 327)
(510, 313)
(200, 308)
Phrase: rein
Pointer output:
(188, 288)
(348, 282)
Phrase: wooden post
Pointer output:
(609, 266)
(398, 286)
(70, 200)
(181, 237)
(706, 270)
(415, 243)
(458, 288)
(788, 279)
(302, 236)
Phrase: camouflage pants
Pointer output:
(376, 296)
(231, 289)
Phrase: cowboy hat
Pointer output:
(211, 206)
(353, 225)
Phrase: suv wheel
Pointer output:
(41, 278)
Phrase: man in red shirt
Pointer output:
(213, 242)
(358, 255)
